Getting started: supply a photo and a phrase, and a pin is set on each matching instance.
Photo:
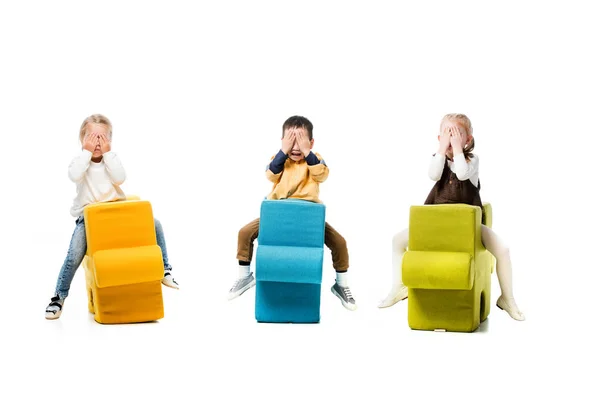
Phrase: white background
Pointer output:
(197, 93)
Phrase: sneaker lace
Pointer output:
(236, 283)
(348, 293)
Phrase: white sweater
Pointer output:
(464, 170)
(96, 182)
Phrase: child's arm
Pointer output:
(436, 166)
(317, 168)
(113, 165)
(275, 167)
(114, 168)
(79, 165)
(465, 170)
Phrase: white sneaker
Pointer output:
(398, 293)
(240, 286)
(168, 281)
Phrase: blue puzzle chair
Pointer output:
(289, 261)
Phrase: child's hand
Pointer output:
(89, 142)
(104, 143)
(303, 142)
(455, 141)
(287, 142)
(444, 142)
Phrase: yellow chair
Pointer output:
(123, 264)
(446, 268)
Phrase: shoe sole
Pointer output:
(509, 314)
(346, 305)
(393, 303)
(242, 290)
(170, 286)
(51, 316)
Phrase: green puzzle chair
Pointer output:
(446, 268)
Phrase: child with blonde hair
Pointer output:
(455, 169)
(98, 173)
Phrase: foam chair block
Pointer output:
(128, 266)
(123, 264)
(289, 261)
(290, 264)
(119, 224)
(446, 268)
(287, 302)
(438, 270)
(295, 223)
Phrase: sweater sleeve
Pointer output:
(465, 170)
(318, 171)
(114, 168)
(436, 166)
(275, 167)
(79, 165)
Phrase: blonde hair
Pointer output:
(465, 122)
(95, 119)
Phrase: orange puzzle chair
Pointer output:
(123, 264)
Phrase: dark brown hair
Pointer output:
(298, 122)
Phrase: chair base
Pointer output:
(446, 310)
(141, 302)
(279, 302)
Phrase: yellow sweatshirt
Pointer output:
(296, 180)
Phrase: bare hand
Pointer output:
(89, 142)
(455, 141)
(287, 142)
(303, 142)
(444, 142)
(104, 143)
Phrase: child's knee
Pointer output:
(245, 233)
(504, 253)
(336, 242)
(341, 242)
(400, 240)
(500, 251)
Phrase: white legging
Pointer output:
(491, 241)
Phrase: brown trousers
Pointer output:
(333, 240)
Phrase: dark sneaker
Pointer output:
(345, 295)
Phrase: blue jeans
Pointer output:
(78, 248)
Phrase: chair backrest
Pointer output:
(445, 227)
(296, 223)
(119, 224)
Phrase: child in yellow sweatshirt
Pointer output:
(296, 173)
